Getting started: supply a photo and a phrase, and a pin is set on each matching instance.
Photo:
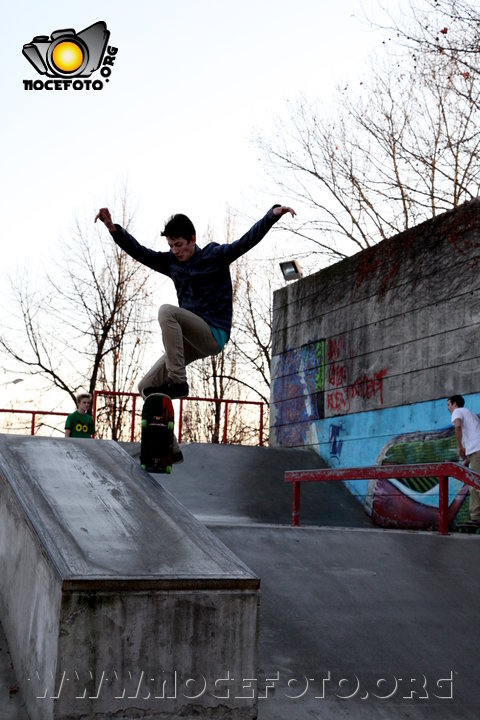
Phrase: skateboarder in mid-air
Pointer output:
(201, 325)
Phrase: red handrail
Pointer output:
(442, 470)
(225, 401)
(34, 414)
(110, 393)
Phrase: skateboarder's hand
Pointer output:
(104, 215)
(282, 210)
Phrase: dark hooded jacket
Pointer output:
(203, 283)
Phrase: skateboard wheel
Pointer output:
(168, 469)
(171, 425)
(144, 467)
(144, 423)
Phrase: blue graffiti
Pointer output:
(335, 443)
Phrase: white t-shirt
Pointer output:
(470, 429)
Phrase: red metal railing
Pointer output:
(109, 393)
(221, 401)
(135, 396)
(442, 470)
(226, 403)
(33, 414)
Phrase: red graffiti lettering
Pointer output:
(367, 388)
(337, 375)
(335, 347)
(337, 401)
(364, 387)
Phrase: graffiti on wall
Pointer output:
(336, 443)
(298, 392)
(319, 398)
(322, 379)
(413, 502)
(342, 390)
(365, 387)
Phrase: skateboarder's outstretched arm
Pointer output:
(104, 215)
(280, 210)
(232, 251)
(158, 261)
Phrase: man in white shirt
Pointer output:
(467, 433)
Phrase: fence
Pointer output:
(442, 471)
(33, 415)
(224, 404)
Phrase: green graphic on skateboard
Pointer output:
(156, 449)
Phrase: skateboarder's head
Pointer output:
(180, 233)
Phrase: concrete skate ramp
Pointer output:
(103, 571)
(235, 484)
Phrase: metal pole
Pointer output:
(261, 425)
(134, 407)
(94, 408)
(443, 505)
(296, 504)
(225, 427)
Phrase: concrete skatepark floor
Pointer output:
(388, 612)
(356, 622)
(342, 600)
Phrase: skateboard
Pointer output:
(468, 527)
(156, 446)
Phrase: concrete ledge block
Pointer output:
(115, 600)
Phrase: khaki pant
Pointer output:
(474, 459)
(186, 337)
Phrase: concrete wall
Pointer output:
(367, 350)
(117, 602)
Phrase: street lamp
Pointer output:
(291, 270)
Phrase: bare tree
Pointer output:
(400, 148)
(447, 30)
(87, 327)
(252, 331)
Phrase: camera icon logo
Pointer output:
(67, 53)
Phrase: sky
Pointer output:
(192, 84)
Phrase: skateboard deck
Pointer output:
(156, 448)
(468, 527)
